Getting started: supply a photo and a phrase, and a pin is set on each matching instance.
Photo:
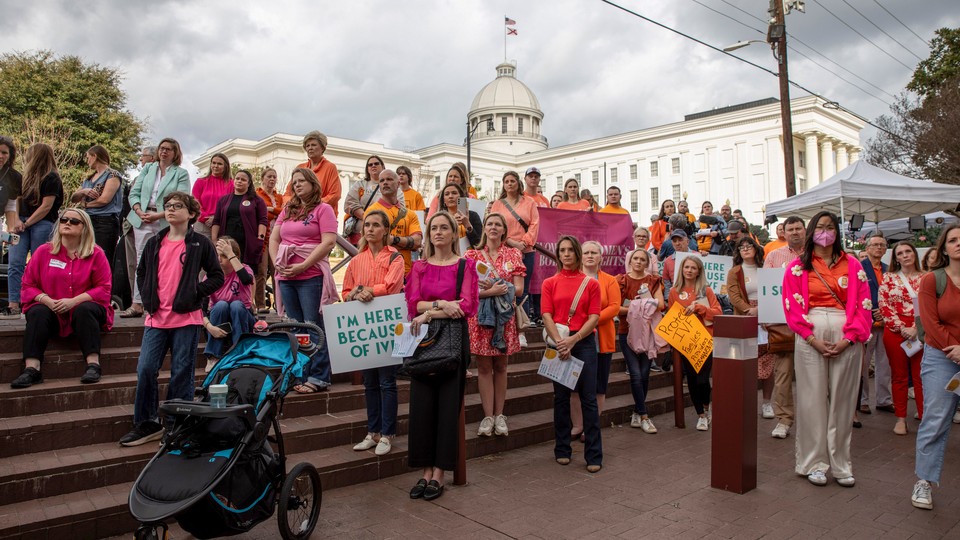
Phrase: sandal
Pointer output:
(91, 375)
(306, 388)
(131, 313)
(28, 378)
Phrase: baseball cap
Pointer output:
(734, 226)
(532, 170)
(678, 233)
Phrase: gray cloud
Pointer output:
(404, 73)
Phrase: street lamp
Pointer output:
(470, 133)
(777, 38)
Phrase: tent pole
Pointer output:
(843, 221)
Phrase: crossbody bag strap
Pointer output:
(370, 199)
(576, 299)
(461, 267)
(833, 294)
(487, 258)
(906, 284)
(519, 219)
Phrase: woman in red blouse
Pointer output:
(897, 294)
(691, 291)
(557, 295)
(506, 268)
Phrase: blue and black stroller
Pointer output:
(216, 472)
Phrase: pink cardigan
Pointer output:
(796, 291)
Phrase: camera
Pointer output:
(9, 238)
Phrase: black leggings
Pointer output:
(42, 323)
(106, 233)
(698, 383)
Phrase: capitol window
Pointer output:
(490, 124)
(654, 197)
(613, 175)
(634, 200)
(503, 124)
(654, 169)
(596, 178)
(633, 172)
(519, 126)
(675, 165)
(676, 192)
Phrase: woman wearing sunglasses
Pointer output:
(66, 290)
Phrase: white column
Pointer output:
(842, 161)
(828, 163)
(854, 155)
(812, 162)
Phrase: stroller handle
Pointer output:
(299, 326)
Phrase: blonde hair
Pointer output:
(699, 285)
(483, 237)
(87, 243)
(428, 249)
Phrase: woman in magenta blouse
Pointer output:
(210, 189)
(435, 401)
(66, 290)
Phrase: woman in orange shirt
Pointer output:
(690, 290)
(606, 329)
(377, 270)
(659, 229)
(571, 197)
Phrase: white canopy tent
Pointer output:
(877, 194)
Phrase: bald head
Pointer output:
(389, 183)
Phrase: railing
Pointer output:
(510, 134)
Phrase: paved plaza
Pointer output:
(654, 486)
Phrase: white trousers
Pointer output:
(826, 398)
(877, 353)
(141, 234)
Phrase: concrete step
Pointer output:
(101, 510)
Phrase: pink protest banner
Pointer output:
(613, 231)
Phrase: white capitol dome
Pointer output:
(505, 115)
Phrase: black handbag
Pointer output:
(441, 350)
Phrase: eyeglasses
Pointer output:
(174, 206)
(71, 220)
(165, 149)
(745, 248)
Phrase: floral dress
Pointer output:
(507, 265)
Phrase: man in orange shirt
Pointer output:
(315, 144)
(775, 244)
(531, 181)
(613, 202)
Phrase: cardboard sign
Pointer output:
(360, 334)
(716, 268)
(686, 334)
(770, 296)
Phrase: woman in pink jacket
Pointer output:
(826, 300)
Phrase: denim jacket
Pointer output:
(495, 311)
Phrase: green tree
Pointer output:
(70, 105)
(918, 137)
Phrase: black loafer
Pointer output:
(886, 408)
(434, 490)
(91, 375)
(28, 378)
(417, 491)
(857, 424)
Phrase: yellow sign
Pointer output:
(687, 335)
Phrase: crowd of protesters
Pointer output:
(197, 258)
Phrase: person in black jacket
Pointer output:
(168, 278)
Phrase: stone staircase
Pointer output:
(63, 475)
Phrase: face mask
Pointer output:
(824, 238)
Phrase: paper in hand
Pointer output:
(405, 342)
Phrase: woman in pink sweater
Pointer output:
(210, 189)
(826, 300)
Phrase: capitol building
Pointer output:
(730, 154)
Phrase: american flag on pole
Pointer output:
(508, 21)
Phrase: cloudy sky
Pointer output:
(404, 73)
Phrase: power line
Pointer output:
(834, 104)
(882, 30)
(881, 49)
(794, 38)
(925, 42)
(823, 67)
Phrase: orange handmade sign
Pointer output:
(687, 335)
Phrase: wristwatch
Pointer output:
(851, 342)
(436, 304)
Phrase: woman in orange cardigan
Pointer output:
(606, 329)
(690, 290)
(659, 229)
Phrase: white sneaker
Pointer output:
(956, 417)
(383, 447)
(847, 482)
(910, 393)
(211, 363)
(817, 478)
(702, 423)
(500, 425)
(766, 410)
(781, 431)
(635, 420)
(366, 444)
(647, 426)
(486, 427)
(922, 495)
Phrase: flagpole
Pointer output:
(504, 40)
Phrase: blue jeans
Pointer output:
(639, 367)
(240, 319)
(31, 238)
(182, 343)
(380, 391)
(301, 300)
(533, 300)
(586, 351)
(938, 408)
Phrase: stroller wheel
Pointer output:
(152, 532)
(300, 499)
